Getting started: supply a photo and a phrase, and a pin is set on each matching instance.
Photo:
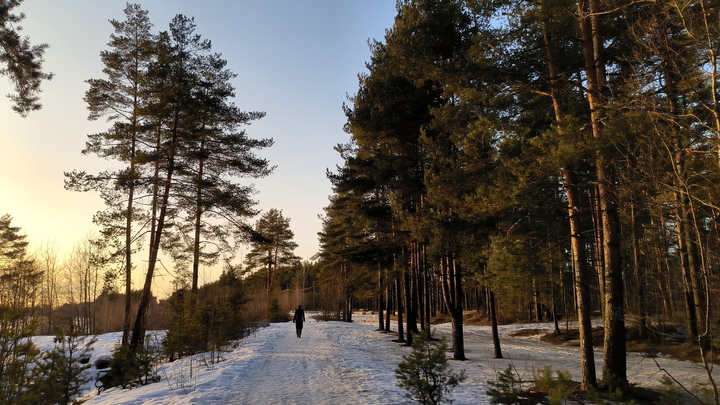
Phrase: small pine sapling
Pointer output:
(507, 389)
(59, 375)
(425, 375)
(558, 387)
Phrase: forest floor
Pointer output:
(353, 363)
(672, 343)
(666, 339)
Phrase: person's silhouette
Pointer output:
(298, 320)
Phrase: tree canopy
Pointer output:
(20, 61)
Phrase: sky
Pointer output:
(296, 60)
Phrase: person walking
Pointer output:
(298, 320)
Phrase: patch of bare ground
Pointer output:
(469, 318)
(673, 349)
(527, 332)
(440, 318)
(475, 319)
(571, 337)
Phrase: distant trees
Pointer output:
(272, 246)
(83, 285)
(20, 61)
(208, 319)
(19, 282)
(18, 272)
(26, 375)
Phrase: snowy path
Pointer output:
(310, 370)
(351, 363)
(333, 363)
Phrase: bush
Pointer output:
(129, 369)
(558, 388)
(670, 395)
(58, 376)
(507, 389)
(17, 353)
(276, 313)
(207, 321)
(425, 375)
(609, 389)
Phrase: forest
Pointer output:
(535, 160)
(507, 161)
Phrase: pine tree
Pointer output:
(22, 62)
(120, 98)
(424, 373)
(59, 376)
(429, 45)
(209, 319)
(391, 122)
(219, 153)
(614, 358)
(180, 136)
(19, 280)
(272, 246)
(349, 255)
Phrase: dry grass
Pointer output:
(440, 318)
(688, 352)
(674, 350)
(572, 337)
(475, 319)
(527, 332)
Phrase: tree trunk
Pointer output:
(614, 355)
(197, 225)
(128, 255)
(381, 297)
(419, 296)
(127, 319)
(582, 283)
(577, 241)
(398, 300)
(493, 322)
(537, 305)
(390, 303)
(556, 326)
(348, 297)
(638, 266)
(453, 294)
(686, 269)
(686, 249)
(138, 334)
(426, 277)
(408, 307)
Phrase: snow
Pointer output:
(351, 363)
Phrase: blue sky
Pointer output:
(297, 60)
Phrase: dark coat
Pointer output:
(299, 318)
